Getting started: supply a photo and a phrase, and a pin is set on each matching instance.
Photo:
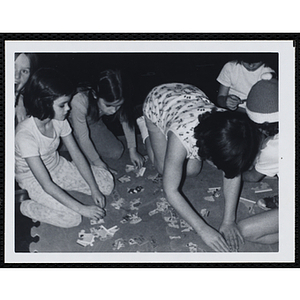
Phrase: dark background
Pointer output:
(143, 71)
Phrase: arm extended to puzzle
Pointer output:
(172, 175)
(84, 169)
(228, 227)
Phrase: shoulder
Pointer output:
(25, 126)
(231, 65)
(26, 133)
(61, 125)
(80, 100)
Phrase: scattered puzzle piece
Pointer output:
(129, 168)
(94, 222)
(135, 219)
(157, 178)
(102, 233)
(117, 204)
(204, 212)
(118, 244)
(187, 227)
(214, 189)
(249, 204)
(124, 178)
(140, 172)
(131, 218)
(209, 198)
(135, 203)
(262, 188)
(85, 239)
(192, 247)
(153, 212)
(136, 190)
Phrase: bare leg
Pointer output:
(193, 167)
(261, 228)
(158, 144)
(149, 150)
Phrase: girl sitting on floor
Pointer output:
(237, 78)
(89, 105)
(177, 132)
(38, 167)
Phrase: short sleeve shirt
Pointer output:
(239, 80)
(30, 142)
(175, 107)
(268, 160)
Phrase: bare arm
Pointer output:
(253, 176)
(41, 174)
(227, 101)
(84, 169)
(136, 158)
(231, 189)
(81, 129)
(173, 170)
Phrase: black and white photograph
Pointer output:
(150, 151)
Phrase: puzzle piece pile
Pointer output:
(87, 239)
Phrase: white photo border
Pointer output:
(286, 69)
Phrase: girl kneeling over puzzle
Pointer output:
(38, 167)
(181, 128)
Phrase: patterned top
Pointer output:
(175, 107)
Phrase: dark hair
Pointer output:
(108, 87)
(44, 87)
(269, 129)
(268, 59)
(33, 60)
(229, 139)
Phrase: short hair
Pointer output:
(44, 87)
(229, 139)
(268, 129)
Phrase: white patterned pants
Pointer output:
(45, 208)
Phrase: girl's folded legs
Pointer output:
(66, 218)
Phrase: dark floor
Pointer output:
(163, 231)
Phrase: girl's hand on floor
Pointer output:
(98, 198)
(214, 239)
(232, 235)
(136, 158)
(93, 212)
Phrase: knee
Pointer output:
(117, 152)
(246, 230)
(74, 221)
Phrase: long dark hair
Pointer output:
(109, 87)
(229, 139)
(33, 60)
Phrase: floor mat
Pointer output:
(141, 220)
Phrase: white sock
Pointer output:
(143, 127)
